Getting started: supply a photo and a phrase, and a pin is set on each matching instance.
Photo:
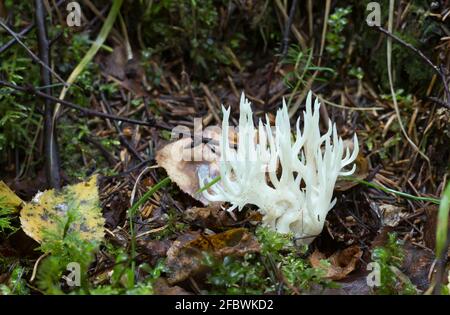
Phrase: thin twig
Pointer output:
(122, 138)
(284, 49)
(32, 55)
(24, 32)
(287, 29)
(436, 68)
(85, 111)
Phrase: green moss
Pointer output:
(255, 273)
(194, 31)
(410, 72)
(389, 258)
(16, 285)
(6, 217)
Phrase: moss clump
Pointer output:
(390, 259)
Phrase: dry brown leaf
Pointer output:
(154, 249)
(214, 218)
(185, 257)
(128, 73)
(417, 263)
(177, 158)
(161, 287)
(41, 213)
(340, 264)
(391, 215)
(429, 229)
(209, 217)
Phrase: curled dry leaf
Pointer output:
(417, 263)
(391, 215)
(154, 249)
(183, 164)
(341, 263)
(128, 73)
(41, 213)
(185, 258)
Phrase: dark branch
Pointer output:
(52, 164)
(287, 29)
(284, 49)
(85, 111)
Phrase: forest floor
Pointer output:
(148, 230)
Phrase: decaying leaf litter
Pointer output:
(173, 241)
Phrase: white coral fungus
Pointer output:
(298, 197)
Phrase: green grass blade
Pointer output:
(207, 186)
(132, 212)
(442, 225)
(393, 191)
(96, 45)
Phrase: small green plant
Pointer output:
(335, 38)
(303, 69)
(173, 226)
(296, 270)
(64, 246)
(237, 276)
(191, 32)
(390, 258)
(16, 284)
(6, 217)
(122, 278)
(255, 274)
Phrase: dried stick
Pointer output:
(122, 138)
(85, 111)
(284, 49)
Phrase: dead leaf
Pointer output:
(183, 164)
(341, 263)
(214, 218)
(416, 265)
(353, 284)
(128, 73)
(9, 198)
(185, 259)
(429, 229)
(39, 214)
(155, 249)
(391, 215)
(161, 287)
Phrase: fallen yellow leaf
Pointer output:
(8, 197)
(41, 213)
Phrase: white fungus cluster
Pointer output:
(290, 179)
